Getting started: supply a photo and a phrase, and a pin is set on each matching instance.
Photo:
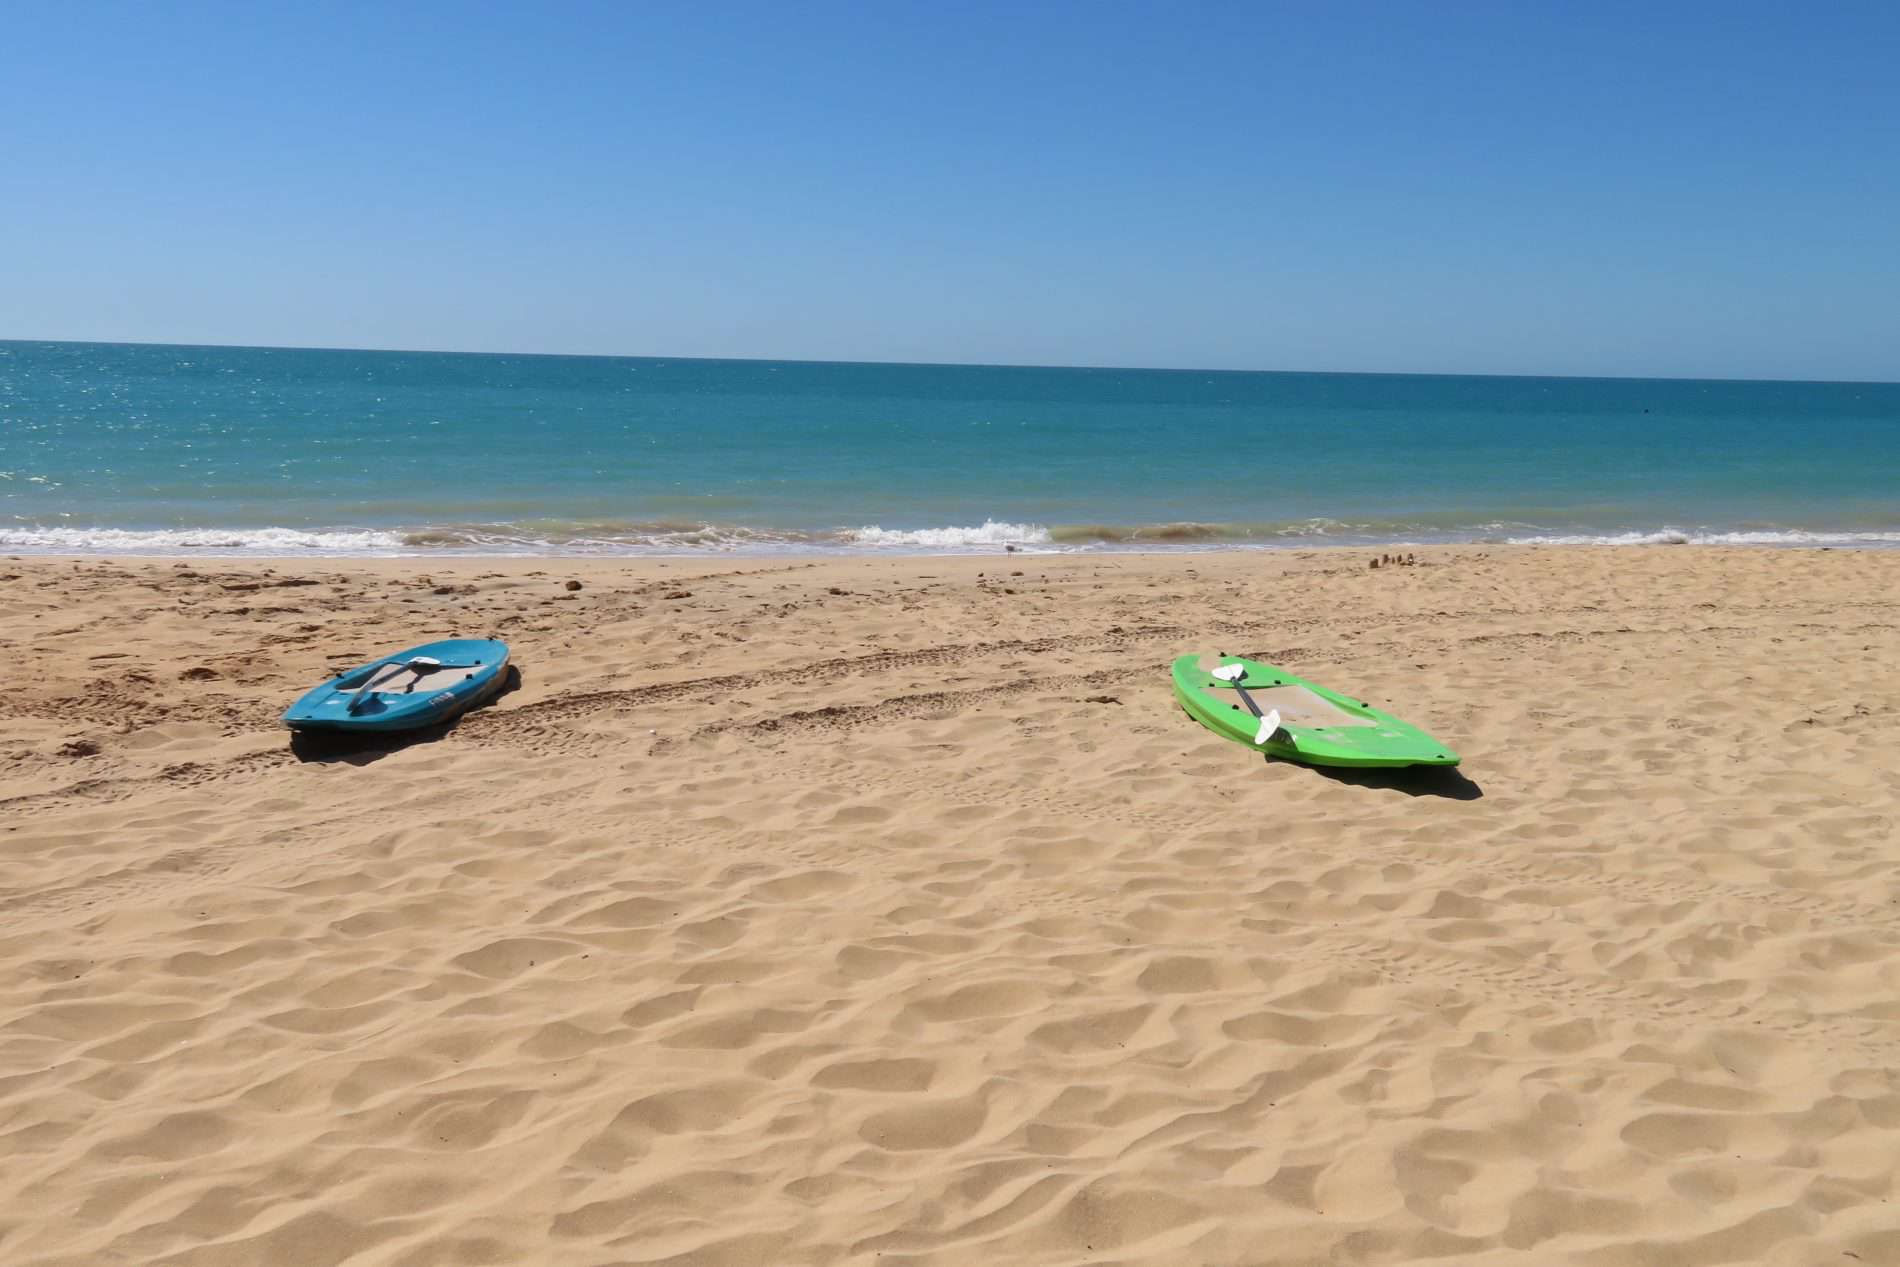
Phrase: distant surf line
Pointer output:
(676, 538)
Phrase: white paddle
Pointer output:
(1269, 720)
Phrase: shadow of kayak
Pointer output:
(1447, 782)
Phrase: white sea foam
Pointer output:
(1702, 537)
(989, 533)
(259, 541)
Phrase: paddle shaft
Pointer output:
(1253, 707)
(1244, 697)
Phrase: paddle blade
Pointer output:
(1268, 724)
(1230, 672)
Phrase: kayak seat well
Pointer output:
(1299, 706)
(408, 682)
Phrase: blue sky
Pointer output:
(1666, 189)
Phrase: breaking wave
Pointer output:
(988, 533)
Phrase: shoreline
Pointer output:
(801, 551)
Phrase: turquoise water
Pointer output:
(140, 447)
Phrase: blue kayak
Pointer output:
(418, 687)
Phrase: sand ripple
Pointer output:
(780, 925)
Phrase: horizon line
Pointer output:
(996, 365)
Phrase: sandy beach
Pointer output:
(888, 911)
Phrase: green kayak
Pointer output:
(1303, 721)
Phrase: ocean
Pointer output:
(137, 448)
